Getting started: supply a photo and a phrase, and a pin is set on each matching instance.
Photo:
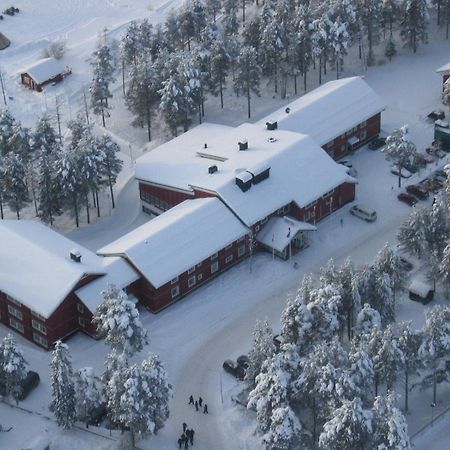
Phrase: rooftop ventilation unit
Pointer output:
(75, 255)
(272, 125)
(272, 139)
(260, 172)
(244, 181)
(243, 144)
(212, 169)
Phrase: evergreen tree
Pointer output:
(370, 12)
(285, 430)
(350, 426)
(213, 8)
(410, 236)
(63, 390)
(390, 430)
(87, 392)
(390, 50)
(391, 11)
(13, 368)
(230, 20)
(130, 45)
(302, 46)
(13, 171)
(263, 348)
(219, 66)
(173, 31)
(414, 23)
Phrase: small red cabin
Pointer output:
(42, 72)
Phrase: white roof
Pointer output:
(44, 70)
(35, 265)
(420, 288)
(279, 231)
(300, 170)
(173, 242)
(117, 272)
(330, 110)
(444, 69)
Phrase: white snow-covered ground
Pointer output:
(197, 334)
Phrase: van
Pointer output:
(367, 214)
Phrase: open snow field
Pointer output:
(194, 336)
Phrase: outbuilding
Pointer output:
(420, 291)
(445, 72)
(42, 72)
(4, 42)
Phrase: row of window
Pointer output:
(156, 201)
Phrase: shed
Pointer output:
(4, 41)
(42, 72)
(445, 72)
(420, 291)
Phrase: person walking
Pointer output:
(180, 442)
(191, 400)
(184, 427)
(200, 401)
(191, 436)
(205, 409)
(196, 405)
(186, 444)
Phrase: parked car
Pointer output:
(404, 173)
(407, 198)
(437, 114)
(234, 369)
(431, 184)
(439, 176)
(435, 152)
(243, 361)
(97, 414)
(426, 158)
(377, 143)
(405, 264)
(28, 384)
(367, 214)
(418, 191)
(442, 173)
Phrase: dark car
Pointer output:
(97, 414)
(377, 143)
(233, 368)
(418, 191)
(437, 114)
(28, 384)
(243, 361)
(431, 184)
(407, 198)
(425, 159)
(405, 265)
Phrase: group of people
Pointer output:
(187, 437)
(198, 404)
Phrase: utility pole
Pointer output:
(3, 88)
(86, 110)
(58, 118)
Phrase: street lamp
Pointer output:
(433, 405)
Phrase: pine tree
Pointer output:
(285, 430)
(370, 11)
(63, 390)
(414, 23)
(410, 236)
(15, 189)
(213, 8)
(390, 50)
(117, 319)
(263, 348)
(345, 277)
(350, 426)
(130, 45)
(13, 368)
(87, 392)
(219, 66)
(230, 20)
(390, 430)
(391, 11)
(367, 319)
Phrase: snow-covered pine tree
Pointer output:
(400, 150)
(367, 320)
(213, 8)
(248, 75)
(13, 368)
(262, 349)
(389, 426)
(117, 319)
(88, 392)
(145, 38)
(384, 299)
(251, 34)
(413, 26)
(435, 347)
(219, 67)
(390, 14)
(13, 171)
(410, 235)
(63, 390)
(408, 343)
(111, 164)
(345, 277)
(102, 77)
(230, 20)
(130, 45)
(349, 426)
(387, 261)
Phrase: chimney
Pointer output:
(75, 255)
(243, 144)
(206, 145)
(212, 169)
(272, 125)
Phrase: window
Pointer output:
(175, 291)
(15, 312)
(228, 259)
(214, 256)
(175, 280)
(80, 308)
(13, 300)
(17, 325)
(38, 326)
(328, 193)
(310, 205)
(241, 250)
(330, 144)
(262, 222)
(363, 135)
(363, 124)
(191, 281)
(191, 270)
(199, 277)
(241, 239)
(40, 340)
(198, 265)
(228, 247)
(285, 209)
(155, 201)
(81, 322)
(35, 314)
(257, 228)
(214, 267)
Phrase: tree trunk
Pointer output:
(1, 208)
(123, 77)
(243, 11)
(434, 382)
(406, 388)
(93, 199)
(149, 131)
(88, 217)
(320, 70)
(221, 93)
(98, 204)
(111, 191)
(199, 113)
(295, 84)
(75, 208)
(304, 80)
(248, 100)
(103, 115)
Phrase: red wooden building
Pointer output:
(46, 287)
(42, 72)
(444, 71)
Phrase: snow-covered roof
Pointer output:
(300, 170)
(117, 272)
(280, 231)
(44, 70)
(173, 242)
(444, 69)
(330, 110)
(420, 288)
(35, 265)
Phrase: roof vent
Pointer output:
(272, 125)
(244, 181)
(212, 169)
(260, 172)
(75, 255)
(272, 139)
(243, 144)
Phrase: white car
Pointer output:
(363, 212)
(404, 173)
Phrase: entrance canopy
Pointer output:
(280, 231)
(353, 140)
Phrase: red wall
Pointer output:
(339, 148)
